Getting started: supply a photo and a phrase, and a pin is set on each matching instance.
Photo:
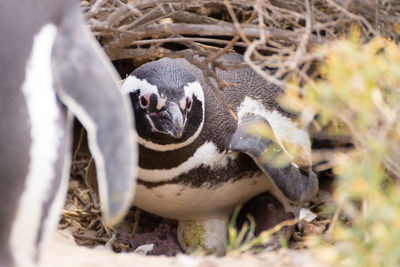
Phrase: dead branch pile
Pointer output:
(273, 35)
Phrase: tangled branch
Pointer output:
(275, 36)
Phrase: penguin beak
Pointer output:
(170, 121)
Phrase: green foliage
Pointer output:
(359, 93)
(244, 240)
(240, 241)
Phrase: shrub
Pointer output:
(359, 93)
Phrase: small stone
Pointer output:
(311, 229)
(306, 215)
(144, 249)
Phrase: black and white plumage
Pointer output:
(196, 162)
(52, 69)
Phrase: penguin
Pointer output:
(197, 161)
(53, 70)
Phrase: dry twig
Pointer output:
(277, 35)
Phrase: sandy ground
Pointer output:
(62, 251)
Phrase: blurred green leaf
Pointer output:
(358, 95)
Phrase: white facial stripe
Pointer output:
(132, 84)
(206, 155)
(285, 130)
(45, 133)
(194, 89)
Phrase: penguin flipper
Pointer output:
(86, 84)
(297, 184)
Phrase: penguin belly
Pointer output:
(182, 202)
(203, 192)
(202, 204)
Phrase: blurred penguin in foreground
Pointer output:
(51, 70)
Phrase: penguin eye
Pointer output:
(188, 103)
(144, 101)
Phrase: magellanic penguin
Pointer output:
(196, 162)
(52, 69)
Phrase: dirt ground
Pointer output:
(63, 251)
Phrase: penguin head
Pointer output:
(168, 102)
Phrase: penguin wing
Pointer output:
(297, 184)
(86, 84)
